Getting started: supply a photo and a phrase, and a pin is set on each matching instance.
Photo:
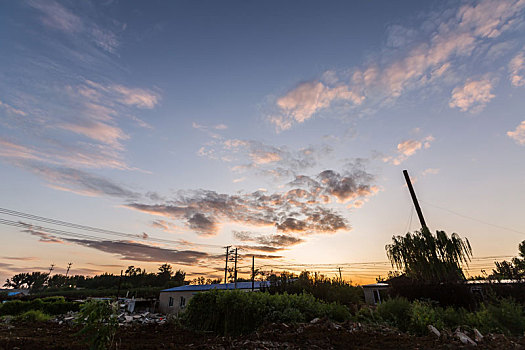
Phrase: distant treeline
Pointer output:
(134, 277)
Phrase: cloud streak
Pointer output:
(80, 182)
(134, 251)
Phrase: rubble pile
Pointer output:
(142, 318)
(124, 318)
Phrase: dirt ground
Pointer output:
(43, 336)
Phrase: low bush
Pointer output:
(504, 315)
(500, 316)
(33, 316)
(423, 314)
(236, 312)
(366, 314)
(50, 306)
(396, 312)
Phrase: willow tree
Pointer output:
(430, 258)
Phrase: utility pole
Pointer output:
(68, 267)
(340, 276)
(226, 265)
(51, 268)
(253, 272)
(235, 271)
(414, 199)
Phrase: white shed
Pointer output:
(372, 292)
(174, 300)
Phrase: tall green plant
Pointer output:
(430, 258)
(100, 323)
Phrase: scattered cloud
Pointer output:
(135, 97)
(517, 69)
(518, 135)
(302, 209)
(265, 159)
(165, 226)
(408, 148)
(428, 53)
(430, 171)
(58, 17)
(212, 130)
(473, 96)
(301, 103)
(267, 242)
(12, 110)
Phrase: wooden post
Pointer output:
(235, 270)
(253, 272)
(414, 199)
(226, 266)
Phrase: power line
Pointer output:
(96, 229)
(475, 219)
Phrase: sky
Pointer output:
(140, 133)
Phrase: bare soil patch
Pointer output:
(323, 335)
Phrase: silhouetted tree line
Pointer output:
(134, 277)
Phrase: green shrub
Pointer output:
(236, 312)
(365, 314)
(504, 315)
(452, 318)
(33, 316)
(501, 316)
(423, 314)
(53, 299)
(50, 306)
(14, 307)
(395, 312)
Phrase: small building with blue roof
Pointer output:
(174, 300)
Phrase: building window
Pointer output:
(170, 302)
(377, 297)
(182, 302)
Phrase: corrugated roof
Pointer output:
(375, 285)
(203, 287)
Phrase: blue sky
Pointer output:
(280, 128)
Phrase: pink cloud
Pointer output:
(408, 148)
(456, 35)
(518, 134)
(473, 96)
(97, 130)
(517, 70)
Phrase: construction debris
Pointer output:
(124, 318)
(434, 330)
(465, 339)
(477, 335)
